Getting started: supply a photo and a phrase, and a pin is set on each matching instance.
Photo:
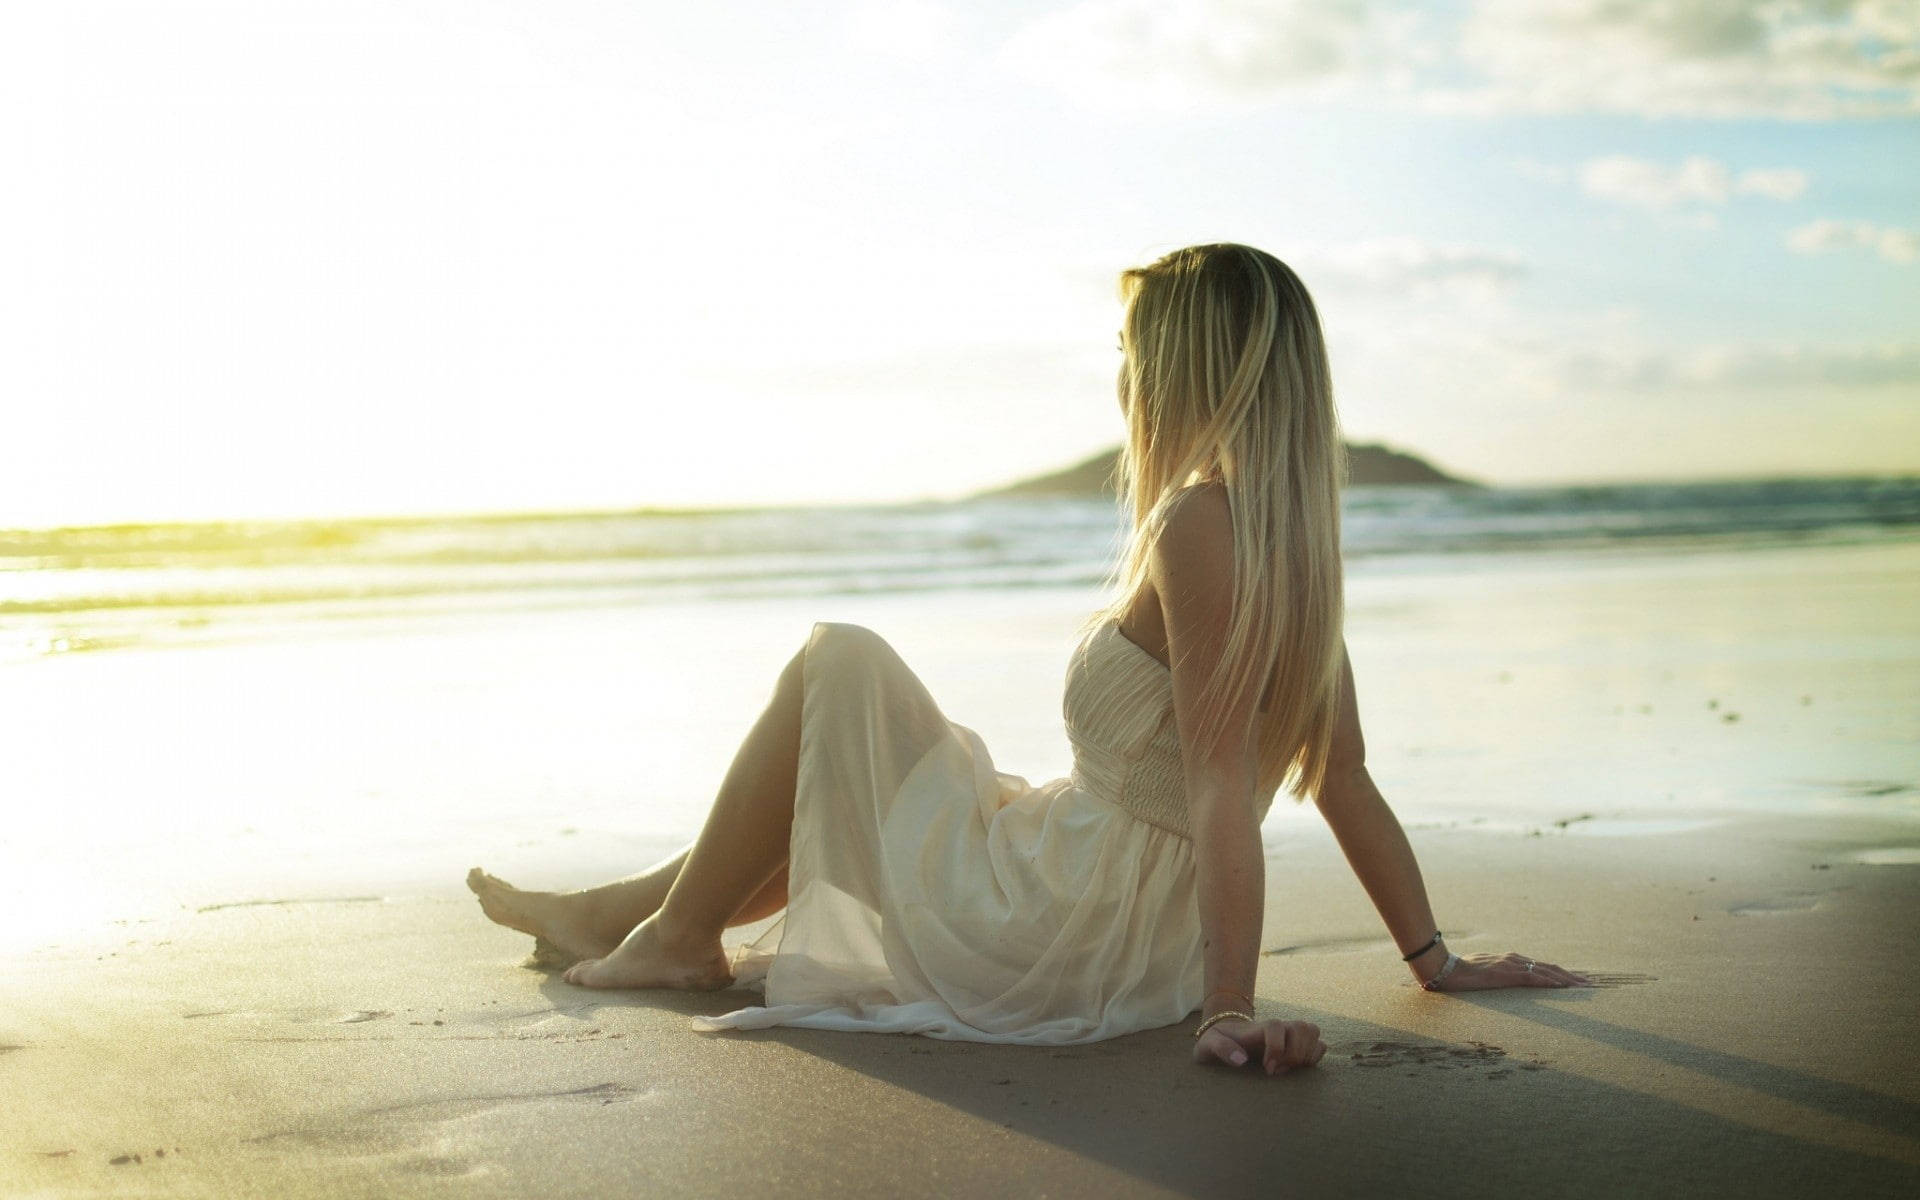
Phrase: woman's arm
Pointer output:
(1380, 855)
(1377, 850)
(1229, 866)
(1371, 838)
(1191, 567)
(1192, 571)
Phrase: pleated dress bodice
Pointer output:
(1118, 706)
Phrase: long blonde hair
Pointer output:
(1227, 378)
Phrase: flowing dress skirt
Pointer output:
(930, 893)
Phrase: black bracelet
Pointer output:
(1422, 950)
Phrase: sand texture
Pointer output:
(1752, 1037)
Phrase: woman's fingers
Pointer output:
(1535, 973)
(1292, 1044)
(1566, 976)
(1310, 1045)
(1279, 1046)
(1573, 977)
(1276, 1057)
(1481, 971)
(1292, 1039)
(1217, 1046)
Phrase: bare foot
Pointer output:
(562, 927)
(546, 956)
(644, 960)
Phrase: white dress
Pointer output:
(930, 893)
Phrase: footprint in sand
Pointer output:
(287, 903)
(299, 1016)
(547, 1019)
(1863, 787)
(1799, 902)
(1439, 1056)
(414, 1127)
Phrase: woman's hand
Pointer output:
(1278, 1046)
(1478, 972)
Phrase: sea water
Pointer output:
(200, 715)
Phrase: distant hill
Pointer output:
(1368, 463)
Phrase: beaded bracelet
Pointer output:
(1222, 1015)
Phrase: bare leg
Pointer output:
(625, 903)
(569, 926)
(739, 853)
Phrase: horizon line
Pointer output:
(483, 516)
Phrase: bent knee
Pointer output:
(841, 645)
(836, 637)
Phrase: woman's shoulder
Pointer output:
(1199, 511)
(1195, 539)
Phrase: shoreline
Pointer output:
(1643, 697)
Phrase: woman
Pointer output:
(927, 892)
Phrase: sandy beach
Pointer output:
(207, 999)
(1751, 1037)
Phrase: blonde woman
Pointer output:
(927, 892)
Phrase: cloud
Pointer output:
(1686, 193)
(1888, 241)
(1802, 59)
(1741, 366)
(1778, 183)
(1557, 393)
(1534, 357)
(1209, 54)
(1638, 183)
(1686, 189)
(1408, 266)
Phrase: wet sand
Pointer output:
(1751, 1037)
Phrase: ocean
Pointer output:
(203, 715)
(68, 590)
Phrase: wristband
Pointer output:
(1433, 985)
(1422, 950)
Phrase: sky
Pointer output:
(271, 258)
